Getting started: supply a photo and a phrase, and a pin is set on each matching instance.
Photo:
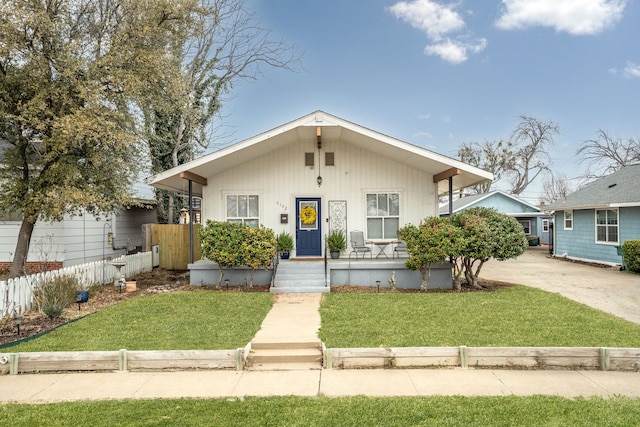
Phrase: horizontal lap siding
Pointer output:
(581, 241)
(280, 176)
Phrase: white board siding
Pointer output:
(76, 240)
(279, 177)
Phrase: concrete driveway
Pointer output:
(607, 289)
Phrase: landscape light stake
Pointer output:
(17, 320)
(378, 284)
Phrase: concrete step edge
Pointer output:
(258, 345)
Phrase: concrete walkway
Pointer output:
(296, 316)
(607, 289)
(331, 383)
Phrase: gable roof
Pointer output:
(620, 189)
(332, 128)
(468, 201)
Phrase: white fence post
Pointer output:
(17, 294)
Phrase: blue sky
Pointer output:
(438, 74)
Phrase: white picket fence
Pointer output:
(16, 295)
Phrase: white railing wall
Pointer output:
(16, 295)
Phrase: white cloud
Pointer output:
(428, 16)
(424, 116)
(437, 22)
(577, 17)
(632, 70)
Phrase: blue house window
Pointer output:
(607, 226)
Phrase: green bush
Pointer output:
(631, 254)
(55, 294)
(234, 245)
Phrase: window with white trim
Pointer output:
(568, 220)
(243, 209)
(383, 215)
(526, 226)
(545, 225)
(606, 226)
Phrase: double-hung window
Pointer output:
(383, 215)
(243, 209)
(568, 220)
(606, 226)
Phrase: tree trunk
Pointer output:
(22, 249)
(425, 281)
(170, 209)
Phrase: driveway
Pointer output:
(607, 289)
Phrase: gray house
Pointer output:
(593, 221)
(536, 224)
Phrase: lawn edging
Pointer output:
(589, 358)
(120, 361)
(567, 358)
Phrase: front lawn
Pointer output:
(198, 320)
(322, 411)
(511, 317)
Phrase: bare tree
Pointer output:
(530, 159)
(604, 154)
(555, 188)
(492, 156)
(226, 45)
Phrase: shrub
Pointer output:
(631, 254)
(55, 294)
(233, 245)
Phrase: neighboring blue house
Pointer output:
(534, 222)
(593, 221)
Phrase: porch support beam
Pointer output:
(194, 177)
(449, 173)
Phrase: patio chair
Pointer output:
(358, 245)
(400, 248)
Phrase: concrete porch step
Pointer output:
(299, 289)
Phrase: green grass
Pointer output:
(512, 317)
(352, 411)
(174, 321)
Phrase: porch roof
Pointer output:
(333, 128)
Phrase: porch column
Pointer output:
(448, 174)
(191, 177)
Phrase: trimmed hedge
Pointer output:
(631, 254)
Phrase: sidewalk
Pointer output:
(331, 383)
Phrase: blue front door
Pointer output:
(308, 227)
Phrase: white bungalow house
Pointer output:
(351, 177)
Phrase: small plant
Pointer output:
(336, 241)
(55, 294)
(284, 243)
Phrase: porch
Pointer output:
(318, 275)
